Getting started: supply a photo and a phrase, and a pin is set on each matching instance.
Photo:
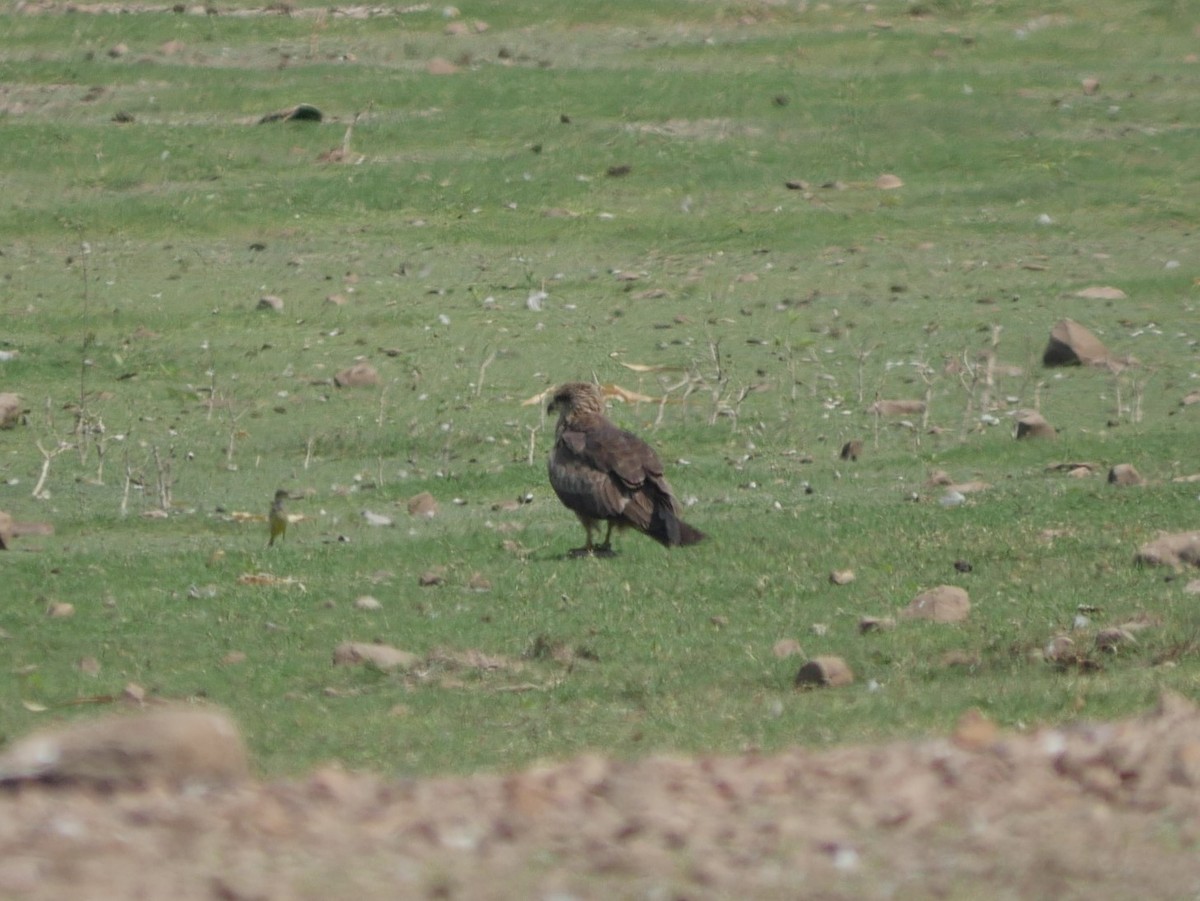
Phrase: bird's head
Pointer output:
(574, 399)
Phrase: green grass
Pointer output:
(133, 256)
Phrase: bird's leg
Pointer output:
(605, 548)
(586, 550)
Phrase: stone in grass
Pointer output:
(852, 450)
(178, 748)
(1176, 550)
(1034, 425)
(897, 408)
(1073, 345)
(12, 410)
(384, 656)
(944, 604)
(824, 672)
(270, 302)
(301, 112)
(423, 504)
(875, 624)
(360, 375)
(1125, 474)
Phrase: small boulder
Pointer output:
(270, 302)
(824, 672)
(1125, 474)
(1073, 345)
(384, 656)
(12, 410)
(897, 408)
(423, 504)
(359, 375)
(1176, 550)
(944, 604)
(1034, 425)
(852, 450)
(179, 748)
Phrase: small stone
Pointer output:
(824, 672)
(366, 602)
(175, 747)
(383, 656)
(1112, 638)
(422, 504)
(270, 302)
(433, 576)
(841, 576)
(478, 582)
(944, 604)
(974, 731)
(1125, 474)
(60, 610)
(875, 624)
(360, 375)
(852, 450)
(1034, 425)
(786, 647)
(1090, 85)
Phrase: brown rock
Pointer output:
(10, 529)
(851, 450)
(270, 302)
(12, 410)
(1073, 345)
(875, 624)
(897, 408)
(787, 647)
(423, 504)
(173, 747)
(825, 672)
(1176, 550)
(359, 375)
(944, 604)
(1192, 397)
(1034, 425)
(841, 576)
(974, 731)
(434, 576)
(1125, 474)
(440, 66)
(383, 656)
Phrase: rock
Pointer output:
(1090, 85)
(10, 529)
(434, 576)
(361, 374)
(896, 408)
(826, 672)
(366, 602)
(423, 504)
(1034, 425)
(944, 604)
(270, 302)
(786, 647)
(12, 410)
(851, 450)
(1192, 397)
(383, 656)
(377, 520)
(974, 731)
(1125, 474)
(1112, 638)
(60, 610)
(175, 747)
(1073, 345)
(1059, 649)
(1175, 550)
(841, 576)
(875, 624)
(301, 112)
(889, 182)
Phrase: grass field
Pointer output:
(525, 194)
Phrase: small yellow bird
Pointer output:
(277, 518)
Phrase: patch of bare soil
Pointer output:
(1106, 810)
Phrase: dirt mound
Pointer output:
(1106, 810)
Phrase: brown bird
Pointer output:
(605, 474)
(277, 518)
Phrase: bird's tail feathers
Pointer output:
(669, 530)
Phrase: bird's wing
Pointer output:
(604, 471)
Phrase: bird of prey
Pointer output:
(277, 519)
(603, 473)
